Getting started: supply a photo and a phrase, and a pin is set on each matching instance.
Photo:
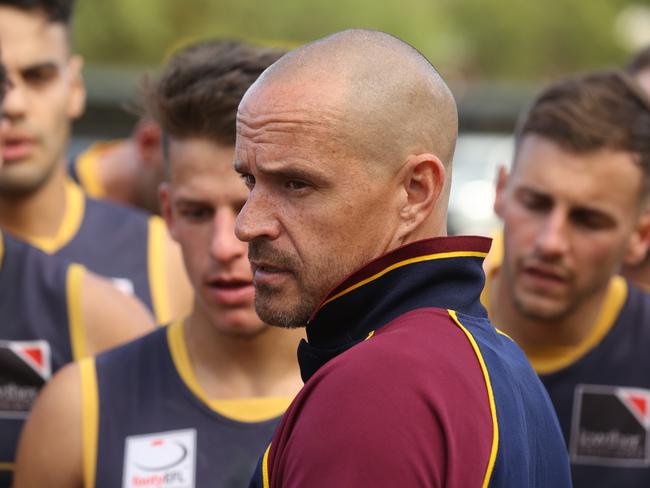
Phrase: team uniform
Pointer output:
(407, 383)
(147, 422)
(122, 244)
(601, 390)
(42, 330)
(83, 168)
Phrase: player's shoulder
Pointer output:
(424, 348)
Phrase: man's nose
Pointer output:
(553, 240)
(225, 246)
(15, 102)
(257, 219)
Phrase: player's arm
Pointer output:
(104, 317)
(171, 290)
(50, 451)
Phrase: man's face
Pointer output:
(570, 221)
(200, 205)
(316, 211)
(46, 93)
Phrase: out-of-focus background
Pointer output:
(495, 55)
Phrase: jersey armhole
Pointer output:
(89, 419)
(76, 325)
(156, 262)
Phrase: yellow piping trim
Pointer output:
(257, 409)
(546, 360)
(493, 408)
(156, 265)
(90, 419)
(7, 466)
(75, 313)
(265, 468)
(73, 216)
(88, 171)
(419, 259)
(75, 205)
(372, 333)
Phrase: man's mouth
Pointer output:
(231, 292)
(267, 274)
(17, 148)
(545, 277)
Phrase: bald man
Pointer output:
(346, 145)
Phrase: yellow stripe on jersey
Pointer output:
(254, 409)
(419, 259)
(243, 410)
(546, 360)
(89, 419)
(265, 468)
(74, 211)
(74, 280)
(7, 466)
(157, 260)
(490, 392)
(88, 171)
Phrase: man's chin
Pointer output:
(542, 310)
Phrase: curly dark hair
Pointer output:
(199, 90)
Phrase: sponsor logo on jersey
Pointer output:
(610, 425)
(161, 460)
(25, 366)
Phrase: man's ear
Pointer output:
(424, 182)
(499, 196)
(148, 138)
(77, 96)
(164, 196)
(639, 243)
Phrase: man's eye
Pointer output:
(249, 180)
(296, 185)
(196, 213)
(40, 75)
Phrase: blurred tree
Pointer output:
(500, 39)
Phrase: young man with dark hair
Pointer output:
(194, 404)
(574, 209)
(52, 313)
(346, 146)
(37, 201)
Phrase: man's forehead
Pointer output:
(28, 38)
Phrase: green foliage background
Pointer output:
(468, 39)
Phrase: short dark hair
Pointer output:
(54, 10)
(199, 90)
(639, 62)
(599, 110)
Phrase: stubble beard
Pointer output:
(276, 306)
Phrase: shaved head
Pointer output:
(346, 146)
(391, 100)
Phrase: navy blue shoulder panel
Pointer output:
(34, 336)
(531, 451)
(144, 401)
(113, 241)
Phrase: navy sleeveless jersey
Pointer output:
(35, 336)
(603, 401)
(407, 383)
(112, 241)
(152, 428)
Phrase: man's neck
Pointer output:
(117, 169)
(38, 214)
(565, 332)
(233, 366)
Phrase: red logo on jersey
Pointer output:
(35, 354)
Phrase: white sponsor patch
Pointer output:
(161, 460)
